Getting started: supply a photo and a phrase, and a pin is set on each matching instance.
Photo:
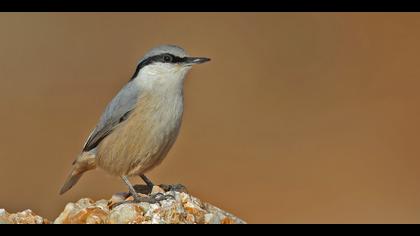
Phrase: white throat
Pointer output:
(162, 79)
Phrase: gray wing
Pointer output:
(117, 111)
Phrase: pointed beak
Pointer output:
(196, 60)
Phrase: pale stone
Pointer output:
(211, 218)
(26, 217)
(4, 217)
(189, 219)
(157, 189)
(3, 212)
(126, 214)
(84, 211)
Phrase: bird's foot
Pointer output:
(158, 197)
(141, 188)
(145, 189)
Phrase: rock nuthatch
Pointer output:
(141, 123)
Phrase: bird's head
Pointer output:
(165, 63)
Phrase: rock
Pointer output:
(23, 217)
(181, 208)
(157, 189)
(84, 211)
(126, 214)
(4, 217)
(116, 198)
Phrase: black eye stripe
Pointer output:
(156, 58)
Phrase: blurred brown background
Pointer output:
(299, 118)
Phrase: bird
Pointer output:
(141, 123)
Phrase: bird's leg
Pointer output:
(147, 181)
(144, 189)
(133, 193)
(165, 187)
(131, 189)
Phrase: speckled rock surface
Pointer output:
(23, 217)
(182, 208)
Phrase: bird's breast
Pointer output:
(143, 140)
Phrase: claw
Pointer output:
(160, 197)
(157, 195)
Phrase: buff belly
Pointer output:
(143, 140)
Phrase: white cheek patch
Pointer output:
(161, 75)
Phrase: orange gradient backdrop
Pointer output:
(298, 118)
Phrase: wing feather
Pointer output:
(117, 111)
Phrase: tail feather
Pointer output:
(70, 181)
(86, 161)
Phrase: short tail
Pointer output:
(71, 181)
(83, 163)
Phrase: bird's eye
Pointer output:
(167, 58)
